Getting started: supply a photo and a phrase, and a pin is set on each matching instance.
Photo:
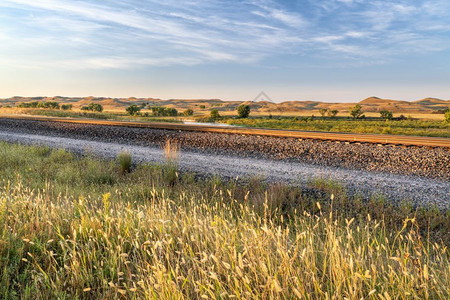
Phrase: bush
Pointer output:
(356, 112)
(188, 112)
(124, 159)
(243, 111)
(386, 114)
(133, 109)
(202, 106)
(215, 114)
(447, 116)
(66, 106)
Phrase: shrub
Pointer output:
(124, 159)
(356, 112)
(66, 106)
(243, 111)
(133, 109)
(215, 114)
(202, 106)
(447, 116)
(188, 112)
(386, 114)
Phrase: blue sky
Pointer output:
(331, 50)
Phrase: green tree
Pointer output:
(323, 111)
(188, 112)
(133, 109)
(356, 112)
(386, 114)
(215, 114)
(333, 113)
(243, 111)
(93, 107)
(160, 111)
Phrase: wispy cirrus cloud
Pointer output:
(133, 34)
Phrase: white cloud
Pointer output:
(103, 34)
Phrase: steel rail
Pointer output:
(316, 135)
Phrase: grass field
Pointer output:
(82, 227)
(343, 124)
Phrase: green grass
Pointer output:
(370, 125)
(98, 115)
(78, 227)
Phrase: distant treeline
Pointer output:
(160, 111)
(45, 104)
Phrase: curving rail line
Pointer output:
(317, 135)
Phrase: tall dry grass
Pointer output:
(171, 150)
(82, 232)
(63, 247)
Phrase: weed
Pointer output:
(124, 158)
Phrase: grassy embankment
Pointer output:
(86, 228)
(434, 128)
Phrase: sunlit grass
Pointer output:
(80, 228)
(436, 128)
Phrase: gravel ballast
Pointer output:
(419, 174)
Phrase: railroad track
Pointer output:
(381, 139)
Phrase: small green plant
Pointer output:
(66, 106)
(447, 116)
(125, 160)
(202, 106)
(243, 111)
